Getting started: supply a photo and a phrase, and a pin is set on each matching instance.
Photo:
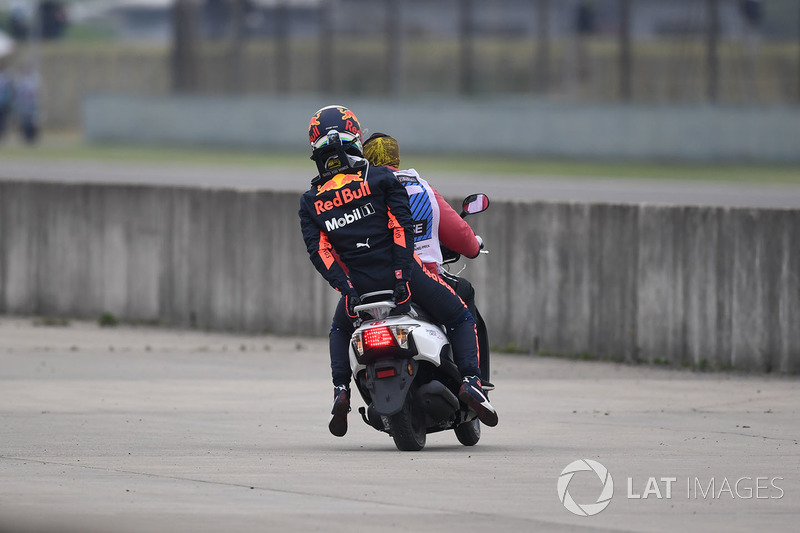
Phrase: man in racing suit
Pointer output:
(361, 214)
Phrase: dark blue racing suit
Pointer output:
(364, 216)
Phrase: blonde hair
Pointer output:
(382, 150)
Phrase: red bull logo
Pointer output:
(347, 114)
(350, 121)
(337, 182)
(313, 129)
(342, 196)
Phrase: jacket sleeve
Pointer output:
(400, 222)
(454, 232)
(322, 254)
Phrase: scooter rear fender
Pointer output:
(388, 382)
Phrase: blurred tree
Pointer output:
(326, 33)
(712, 51)
(184, 68)
(585, 18)
(542, 62)
(282, 51)
(625, 52)
(752, 11)
(53, 19)
(216, 15)
(752, 15)
(18, 23)
(584, 27)
(236, 45)
(394, 47)
(466, 56)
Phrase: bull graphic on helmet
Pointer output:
(348, 115)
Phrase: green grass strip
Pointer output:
(72, 147)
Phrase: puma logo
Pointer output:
(363, 244)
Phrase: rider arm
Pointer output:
(322, 254)
(454, 232)
(400, 222)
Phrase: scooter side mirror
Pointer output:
(474, 203)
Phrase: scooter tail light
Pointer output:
(379, 337)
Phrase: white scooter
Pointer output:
(404, 369)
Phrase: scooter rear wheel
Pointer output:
(408, 428)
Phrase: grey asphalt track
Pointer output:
(547, 188)
(147, 429)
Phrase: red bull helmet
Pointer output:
(334, 134)
(341, 119)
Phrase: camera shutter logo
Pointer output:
(586, 509)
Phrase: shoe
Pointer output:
(341, 406)
(472, 394)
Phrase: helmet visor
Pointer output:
(347, 138)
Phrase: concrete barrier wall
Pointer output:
(688, 285)
(203, 258)
(692, 285)
(517, 126)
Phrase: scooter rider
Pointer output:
(435, 222)
(361, 214)
(436, 225)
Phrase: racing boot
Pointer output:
(341, 406)
(472, 394)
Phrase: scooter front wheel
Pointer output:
(469, 433)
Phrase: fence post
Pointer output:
(236, 80)
(712, 55)
(466, 34)
(542, 67)
(282, 59)
(184, 68)
(625, 64)
(325, 47)
(394, 47)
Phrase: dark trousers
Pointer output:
(438, 299)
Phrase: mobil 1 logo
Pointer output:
(356, 214)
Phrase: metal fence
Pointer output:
(653, 51)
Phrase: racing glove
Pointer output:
(402, 298)
(350, 302)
